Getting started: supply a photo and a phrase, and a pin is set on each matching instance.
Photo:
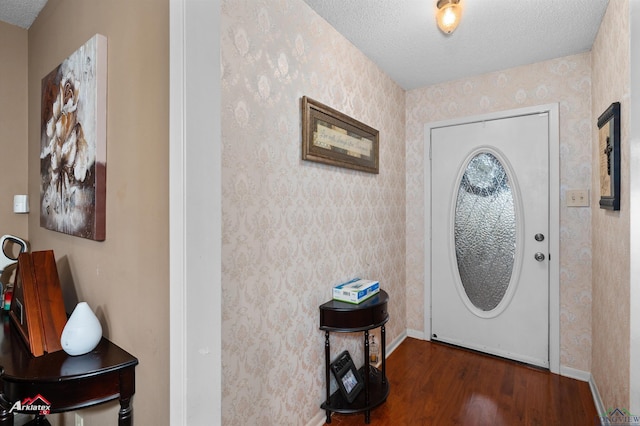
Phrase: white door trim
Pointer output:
(195, 240)
(177, 237)
(554, 218)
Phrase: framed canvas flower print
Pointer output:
(73, 152)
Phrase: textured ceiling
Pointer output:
(402, 38)
(20, 12)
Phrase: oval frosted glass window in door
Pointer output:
(485, 231)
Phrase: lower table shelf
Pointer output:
(342, 317)
(378, 393)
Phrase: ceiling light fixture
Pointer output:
(448, 15)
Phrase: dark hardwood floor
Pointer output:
(437, 384)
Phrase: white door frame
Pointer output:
(554, 218)
(195, 214)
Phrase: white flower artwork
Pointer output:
(73, 143)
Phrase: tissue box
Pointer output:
(356, 290)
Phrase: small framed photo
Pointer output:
(609, 155)
(347, 376)
(331, 137)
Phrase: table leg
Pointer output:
(383, 348)
(6, 416)
(367, 377)
(38, 421)
(127, 389)
(125, 415)
(327, 362)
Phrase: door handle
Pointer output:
(539, 237)
(539, 256)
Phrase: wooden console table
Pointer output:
(341, 317)
(66, 382)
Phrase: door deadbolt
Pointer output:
(539, 237)
(539, 256)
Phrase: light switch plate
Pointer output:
(578, 198)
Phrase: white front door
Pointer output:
(490, 242)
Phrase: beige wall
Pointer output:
(125, 279)
(292, 229)
(566, 81)
(13, 127)
(611, 261)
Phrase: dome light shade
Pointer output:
(448, 15)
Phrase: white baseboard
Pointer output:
(394, 345)
(318, 420)
(585, 376)
(574, 373)
(597, 400)
(416, 334)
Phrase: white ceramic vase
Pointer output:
(83, 331)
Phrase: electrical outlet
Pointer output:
(578, 198)
(79, 420)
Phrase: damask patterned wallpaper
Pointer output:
(566, 81)
(611, 230)
(293, 229)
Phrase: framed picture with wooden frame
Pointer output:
(331, 137)
(609, 157)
